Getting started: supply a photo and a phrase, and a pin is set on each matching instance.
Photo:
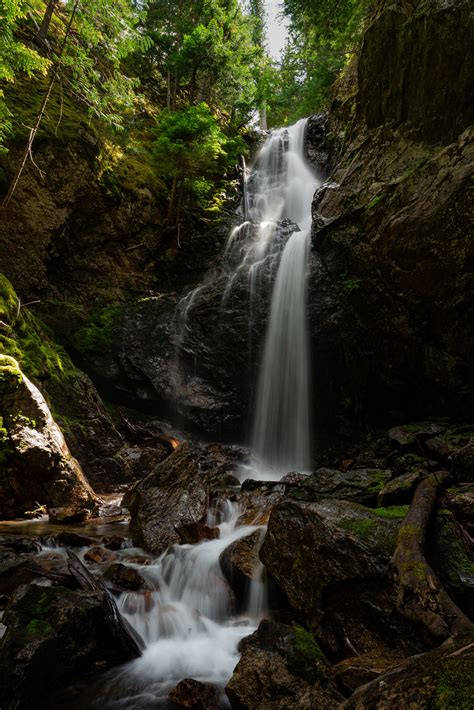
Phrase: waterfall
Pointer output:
(274, 244)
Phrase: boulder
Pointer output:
(124, 577)
(175, 494)
(52, 634)
(241, 564)
(410, 436)
(453, 559)
(281, 667)
(196, 532)
(15, 570)
(360, 485)
(399, 491)
(441, 678)
(330, 559)
(355, 671)
(99, 555)
(41, 467)
(194, 695)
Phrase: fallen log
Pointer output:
(421, 596)
(125, 636)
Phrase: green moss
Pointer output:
(305, 657)
(97, 334)
(362, 527)
(379, 481)
(394, 511)
(350, 283)
(39, 627)
(374, 201)
(455, 687)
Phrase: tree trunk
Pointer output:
(421, 596)
(43, 30)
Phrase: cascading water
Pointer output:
(279, 192)
(185, 618)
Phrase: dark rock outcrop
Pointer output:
(41, 468)
(331, 560)
(361, 485)
(281, 667)
(52, 634)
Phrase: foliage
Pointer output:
(324, 36)
(192, 151)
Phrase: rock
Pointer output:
(72, 539)
(441, 678)
(20, 544)
(240, 563)
(292, 479)
(114, 542)
(195, 532)
(461, 501)
(281, 667)
(464, 463)
(175, 494)
(41, 467)
(124, 577)
(452, 558)
(52, 634)
(409, 436)
(99, 555)
(14, 571)
(355, 671)
(360, 485)
(68, 514)
(330, 559)
(399, 491)
(194, 695)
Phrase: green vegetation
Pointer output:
(362, 526)
(97, 334)
(455, 688)
(394, 511)
(305, 657)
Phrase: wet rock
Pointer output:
(240, 563)
(464, 463)
(292, 479)
(68, 514)
(353, 672)
(441, 678)
(194, 695)
(124, 577)
(175, 494)
(41, 467)
(408, 436)
(195, 532)
(461, 501)
(20, 545)
(257, 499)
(452, 558)
(114, 542)
(68, 538)
(281, 667)
(399, 491)
(99, 555)
(360, 485)
(330, 559)
(14, 571)
(52, 634)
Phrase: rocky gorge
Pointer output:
(127, 386)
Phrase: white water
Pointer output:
(186, 618)
(279, 188)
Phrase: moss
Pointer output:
(374, 201)
(455, 686)
(39, 627)
(379, 481)
(350, 283)
(305, 657)
(362, 527)
(394, 511)
(97, 334)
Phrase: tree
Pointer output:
(87, 50)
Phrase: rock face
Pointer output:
(175, 494)
(392, 268)
(330, 559)
(360, 485)
(41, 468)
(442, 678)
(52, 633)
(281, 667)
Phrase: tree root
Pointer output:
(421, 596)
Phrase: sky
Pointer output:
(277, 28)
